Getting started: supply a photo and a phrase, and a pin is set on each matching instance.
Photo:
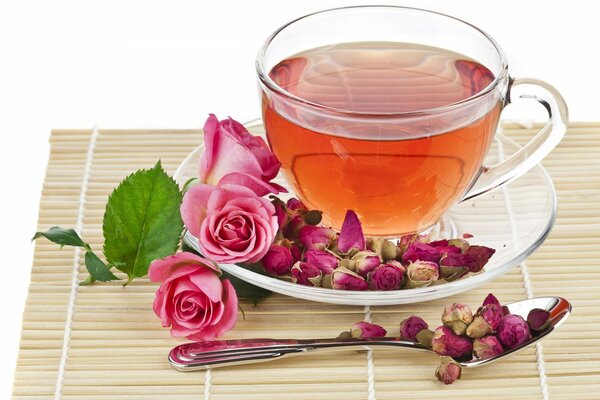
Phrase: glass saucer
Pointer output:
(515, 220)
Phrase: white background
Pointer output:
(149, 64)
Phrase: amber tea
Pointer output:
(398, 180)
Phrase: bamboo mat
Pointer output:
(104, 342)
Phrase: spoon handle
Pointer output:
(220, 353)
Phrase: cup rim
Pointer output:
(266, 80)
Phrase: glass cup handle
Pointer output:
(537, 148)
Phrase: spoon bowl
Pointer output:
(222, 353)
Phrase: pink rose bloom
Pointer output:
(231, 222)
(191, 299)
(233, 156)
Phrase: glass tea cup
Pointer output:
(390, 111)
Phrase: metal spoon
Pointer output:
(224, 353)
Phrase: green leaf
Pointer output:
(142, 221)
(97, 269)
(64, 237)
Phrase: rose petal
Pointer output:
(194, 205)
(180, 264)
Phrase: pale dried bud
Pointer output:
(425, 337)
(385, 248)
(458, 317)
(366, 261)
(478, 328)
(448, 371)
(462, 244)
(421, 274)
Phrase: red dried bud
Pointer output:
(365, 262)
(411, 326)
(421, 252)
(513, 331)
(316, 237)
(385, 277)
(538, 320)
(351, 235)
(306, 274)
(323, 260)
(367, 330)
(481, 255)
(278, 260)
(447, 343)
(344, 279)
(487, 347)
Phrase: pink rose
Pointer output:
(233, 156)
(191, 299)
(231, 222)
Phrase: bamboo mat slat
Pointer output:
(116, 348)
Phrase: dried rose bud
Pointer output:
(421, 252)
(366, 261)
(452, 273)
(406, 240)
(462, 244)
(421, 274)
(346, 263)
(487, 347)
(385, 248)
(492, 313)
(491, 299)
(443, 247)
(424, 337)
(323, 260)
(294, 204)
(345, 335)
(306, 274)
(296, 252)
(278, 260)
(538, 320)
(385, 277)
(481, 255)
(448, 371)
(457, 317)
(513, 331)
(458, 260)
(397, 264)
(316, 237)
(351, 235)
(447, 343)
(367, 330)
(411, 326)
(344, 279)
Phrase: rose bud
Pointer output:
(538, 320)
(350, 264)
(481, 255)
(344, 279)
(491, 299)
(278, 260)
(421, 274)
(306, 274)
(457, 317)
(446, 343)
(421, 252)
(443, 247)
(385, 248)
(452, 273)
(406, 240)
(478, 328)
(462, 244)
(486, 320)
(487, 347)
(458, 260)
(366, 330)
(316, 237)
(323, 260)
(411, 326)
(397, 264)
(448, 371)
(513, 331)
(385, 277)
(294, 204)
(351, 235)
(366, 261)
